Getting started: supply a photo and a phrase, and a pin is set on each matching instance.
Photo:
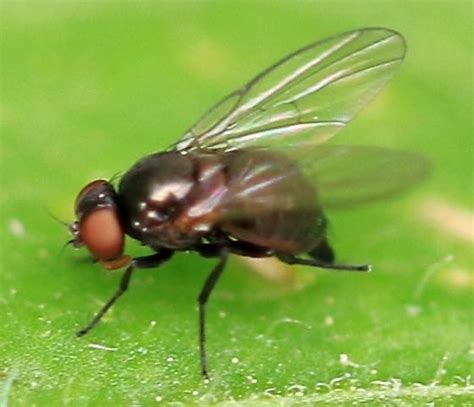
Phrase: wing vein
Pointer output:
(304, 98)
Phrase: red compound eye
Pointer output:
(103, 234)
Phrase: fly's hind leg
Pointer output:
(322, 257)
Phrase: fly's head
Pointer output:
(98, 226)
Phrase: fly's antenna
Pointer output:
(62, 222)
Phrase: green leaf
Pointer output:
(88, 88)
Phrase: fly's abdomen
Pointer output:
(271, 203)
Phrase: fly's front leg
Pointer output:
(152, 261)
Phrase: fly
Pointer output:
(253, 176)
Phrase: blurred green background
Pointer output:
(87, 88)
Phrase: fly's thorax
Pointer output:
(168, 199)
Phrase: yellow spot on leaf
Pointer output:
(457, 278)
(272, 270)
(449, 219)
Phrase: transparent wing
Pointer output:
(347, 176)
(337, 176)
(304, 98)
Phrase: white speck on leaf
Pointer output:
(150, 327)
(344, 360)
(251, 379)
(16, 227)
(45, 334)
(413, 310)
(101, 347)
(222, 314)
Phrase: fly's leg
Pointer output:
(122, 288)
(202, 301)
(291, 259)
(222, 251)
(138, 263)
